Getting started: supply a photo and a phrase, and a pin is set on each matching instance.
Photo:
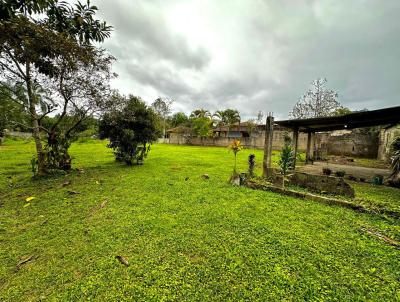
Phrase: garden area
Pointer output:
(107, 231)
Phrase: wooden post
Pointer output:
(269, 134)
(308, 153)
(295, 143)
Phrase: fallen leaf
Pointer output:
(30, 198)
(24, 260)
(103, 204)
(97, 182)
(27, 204)
(122, 260)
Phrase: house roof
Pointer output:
(179, 129)
(371, 118)
(242, 127)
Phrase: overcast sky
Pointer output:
(255, 55)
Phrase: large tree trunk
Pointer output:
(35, 122)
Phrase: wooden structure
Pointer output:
(386, 116)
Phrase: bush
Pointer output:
(340, 173)
(326, 171)
(131, 129)
(252, 164)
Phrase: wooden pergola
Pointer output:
(386, 116)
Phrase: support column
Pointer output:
(308, 153)
(295, 143)
(269, 134)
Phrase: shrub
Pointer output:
(326, 171)
(340, 173)
(286, 159)
(252, 164)
(131, 129)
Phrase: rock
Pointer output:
(235, 180)
(205, 176)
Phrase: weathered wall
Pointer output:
(344, 142)
(256, 141)
(353, 143)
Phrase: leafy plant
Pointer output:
(236, 146)
(131, 130)
(326, 171)
(340, 173)
(286, 159)
(252, 164)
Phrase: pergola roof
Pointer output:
(386, 116)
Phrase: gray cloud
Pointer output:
(255, 55)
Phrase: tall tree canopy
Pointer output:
(162, 107)
(46, 46)
(227, 117)
(316, 102)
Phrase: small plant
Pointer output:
(378, 180)
(252, 164)
(286, 159)
(236, 146)
(326, 171)
(340, 173)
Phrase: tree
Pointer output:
(131, 129)
(227, 117)
(163, 108)
(200, 113)
(316, 102)
(41, 43)
(235, 146)
(178, 119)
(201, 126)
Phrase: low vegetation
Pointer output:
(108, 232)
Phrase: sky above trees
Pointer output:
(255, 55)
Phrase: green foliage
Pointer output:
(287, 156)
(395, 163)
(185, 240)
(131, 130)
(326, 171)
(340, 173)
(178, 119)
(252, 164)
(235, 146)
(202, 126)
(227, 117)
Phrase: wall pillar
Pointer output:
(269, 134)
(294, 144)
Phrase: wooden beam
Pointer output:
(308, 153)
(269, 134)
(294, 144)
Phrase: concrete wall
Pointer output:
(344, 142)
(353, 143)
(18, 134)
(256, 141)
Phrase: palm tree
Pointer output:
(200, 113)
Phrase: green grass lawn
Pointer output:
(185, 238)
